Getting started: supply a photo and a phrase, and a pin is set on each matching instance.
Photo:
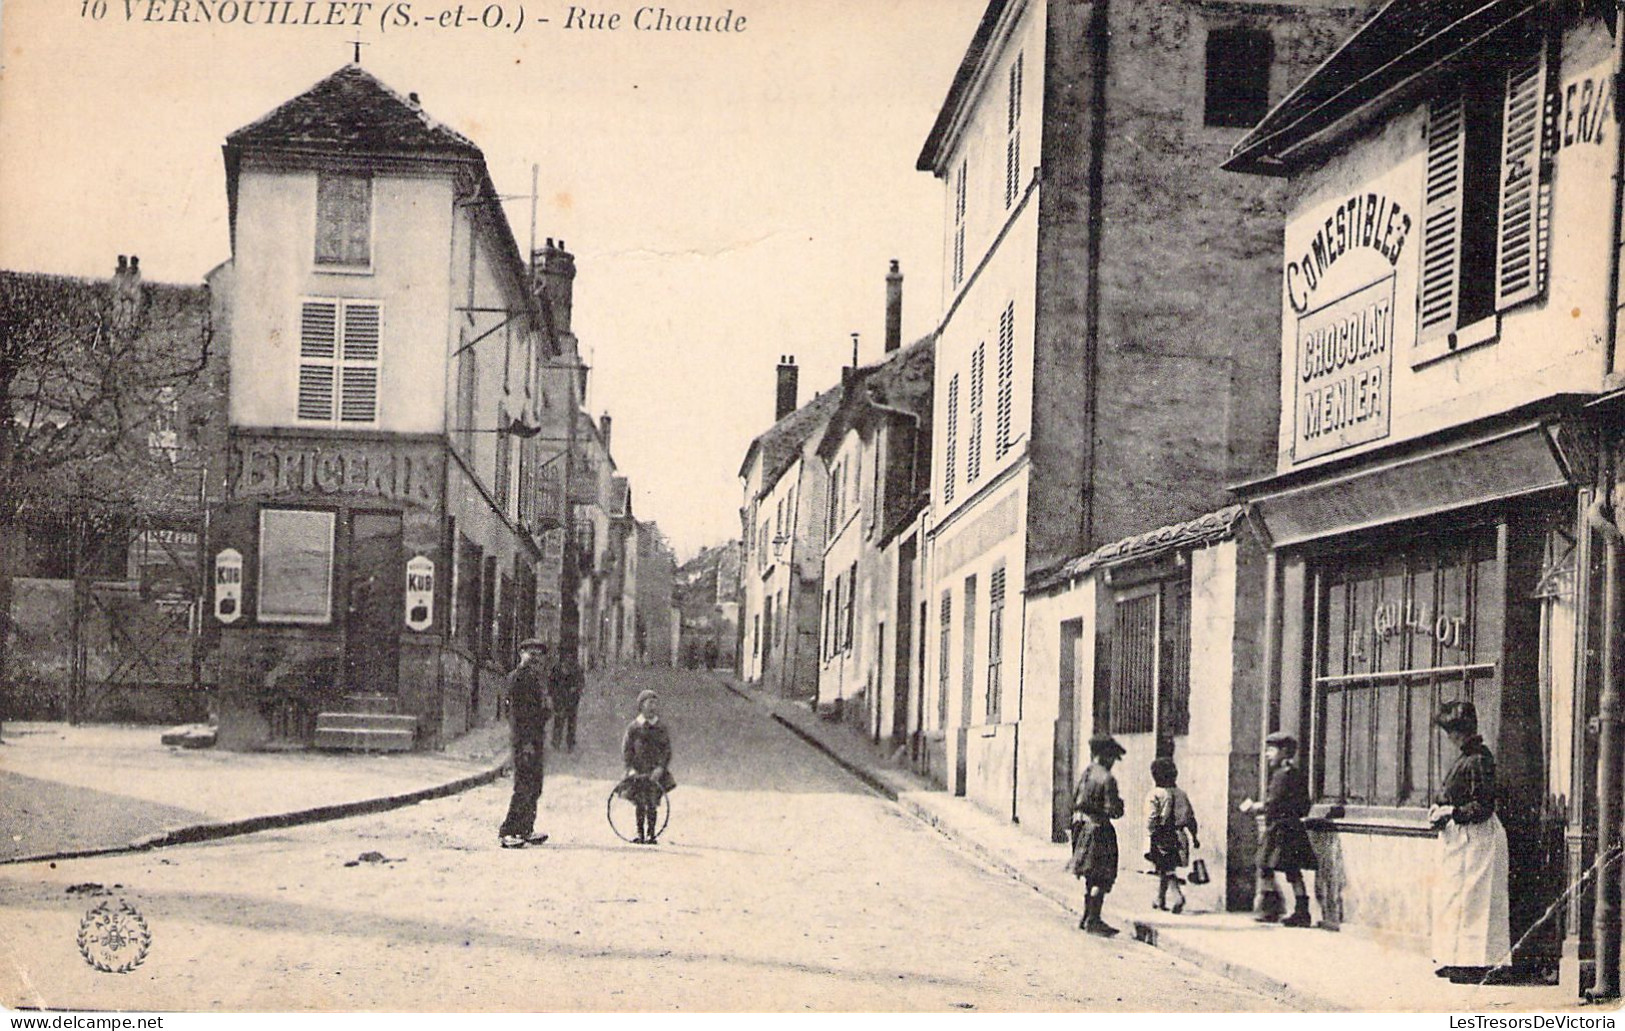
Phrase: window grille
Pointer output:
(995, 646)
(344, 220)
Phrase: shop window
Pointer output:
(296, 566)
(344, 221)
(338, 362)
(1145, 686)
(1485, 200)
(1398, 631)
(1238, 77)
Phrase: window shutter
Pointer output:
(1520, 240)
(949, 473)
(1007, 374)
(1441, 219)
(318, 336)
(1012, 147)
(978, 391)
(358, 400)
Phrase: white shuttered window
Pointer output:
(338, 362)
(1485, 204)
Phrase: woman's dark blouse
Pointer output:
(1470, 784)
(1096, 796)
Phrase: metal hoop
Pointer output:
(618, 794)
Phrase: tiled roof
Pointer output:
(1404, 39)
(353, 111)
(781, 444)
(1196, 533)
(903, 379)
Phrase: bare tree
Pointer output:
(91, 373)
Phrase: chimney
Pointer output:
(604, 425)
(894, 308)
(554, 272)
(785, 401)
(127, 291)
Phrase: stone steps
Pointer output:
(366, 731)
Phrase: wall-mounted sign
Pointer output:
(228, 585)
(1343, 372)
(419, 593)
(284, 469)
(1365, 220)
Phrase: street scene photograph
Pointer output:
(812, 506)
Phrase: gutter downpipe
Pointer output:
(1601, 515)
(1606, 912)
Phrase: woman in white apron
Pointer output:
(1471, 935)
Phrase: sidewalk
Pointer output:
(91, 789)
(1311, 969)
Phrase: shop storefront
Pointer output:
(1406, 580)
(331, 586)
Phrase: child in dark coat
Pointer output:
(646, 750)
(1285, 847)
(1095, 805)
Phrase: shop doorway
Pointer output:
(376, 572)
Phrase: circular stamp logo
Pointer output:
(113, 937)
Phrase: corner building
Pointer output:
(400, 382)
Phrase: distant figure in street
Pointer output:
(1095, 804)
(1471, 933)
(1170, 823)
(646, 750)
(566, 686)
(1285, 847)
(531, 703)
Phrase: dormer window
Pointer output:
(1238, 77)
(344, 221)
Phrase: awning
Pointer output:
(1462, 474)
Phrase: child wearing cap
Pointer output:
(646, 750)
(1285, 847)
(1095, 804)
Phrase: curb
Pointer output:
(869, 780)
(1245, 976)
(250, 825)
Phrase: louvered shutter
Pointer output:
(358, 398)
(318, 366)
(1520, 239)
(1012, 147)
(1007, 375)
(949, 473)
(978, 391)
(1441, 220)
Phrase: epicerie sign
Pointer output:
(1344, 371)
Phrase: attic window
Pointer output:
(1238, 77)
(344, 221)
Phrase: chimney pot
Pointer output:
(894, 307)
(413, 97)
(785, 397)
(123, 264)
(135, 264)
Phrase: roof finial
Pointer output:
(357, 44)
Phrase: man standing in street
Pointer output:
(530, 704)
(567, 684)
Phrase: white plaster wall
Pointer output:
(1547, 347)
(275, 262)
